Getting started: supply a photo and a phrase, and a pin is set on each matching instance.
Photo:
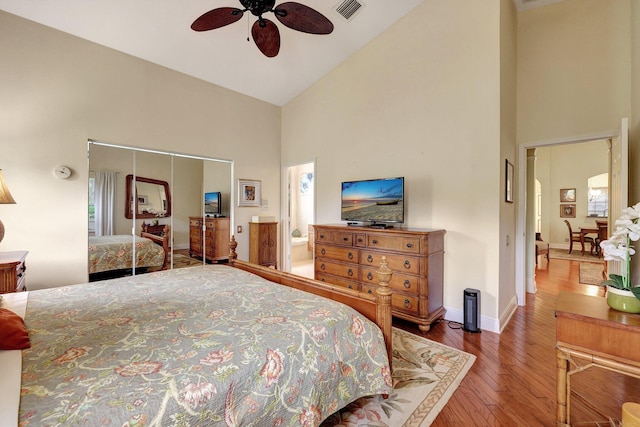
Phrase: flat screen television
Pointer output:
(213, 204)
(378, 201)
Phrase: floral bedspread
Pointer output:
(116, 252)
(198, 346)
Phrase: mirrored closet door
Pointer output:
(152, 210)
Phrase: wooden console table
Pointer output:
(587, 329)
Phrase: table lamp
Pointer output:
(5, 199)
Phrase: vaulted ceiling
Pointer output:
(159, 31)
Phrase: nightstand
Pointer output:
(12, 271)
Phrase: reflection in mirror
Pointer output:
(187, 178)
(152, 198)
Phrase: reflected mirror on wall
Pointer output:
(154, 194)
(148, 198)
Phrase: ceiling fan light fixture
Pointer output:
(265, 33)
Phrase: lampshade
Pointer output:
(5, 195)
(5, 199)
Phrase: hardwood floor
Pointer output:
(513, 381)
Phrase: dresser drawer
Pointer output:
(399, 282)
(399, 302)
(337, 253)
(348, 271)
(406, 303)
(195, 223)
(335, 237)
(339, 281)
(394, 243)
(397, 263)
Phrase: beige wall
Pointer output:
(574, 71)
(420, 101)
(507, 300)
(59, 91)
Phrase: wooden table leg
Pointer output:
(562, 365)
(582, 242)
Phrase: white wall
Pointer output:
(59, 91)
(420, 101)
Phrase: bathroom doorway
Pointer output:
(300, 210)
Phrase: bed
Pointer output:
(115, 253)
(235, 344)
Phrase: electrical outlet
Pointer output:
(239, 229)
(566, 240)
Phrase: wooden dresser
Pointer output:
(263, 247)
(12, 271)
(216, 238)
(349, 256)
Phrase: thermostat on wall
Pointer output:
(62, 172)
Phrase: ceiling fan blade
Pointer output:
(267, 37)
(217, 18)
(303, 18)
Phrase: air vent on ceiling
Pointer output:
(348, 8)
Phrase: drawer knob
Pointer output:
(323, 251)
(350, 286)
(350, 255)
(350, 272)
(359, 239)
(345, 238)
(322, 280)
(321, 236)
(374, 241)
(369, 258)
(369, 276)
(369, 291)
(407, 264)
(407, 284)
(407, 304)
(322, 267)
(409, 245)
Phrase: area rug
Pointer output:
(575, 255)
(591, 273)
(425, 376)
(180, 261)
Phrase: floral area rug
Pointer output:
(591, 273)
(425, 376)
(181, 261)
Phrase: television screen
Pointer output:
(212, 203)
(373, 200)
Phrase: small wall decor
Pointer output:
(568, 211)
(249, 192)
(508, 184)
(567, 194)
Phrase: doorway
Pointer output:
(300, 216)
(525, 265)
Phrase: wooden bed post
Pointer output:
(232, 249)
(384, 304)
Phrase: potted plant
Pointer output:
(621, 294)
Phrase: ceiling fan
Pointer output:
(265, 33)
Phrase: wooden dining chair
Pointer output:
(603, 234)
(574, 236)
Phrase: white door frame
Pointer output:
(285, 255)
(521, 235)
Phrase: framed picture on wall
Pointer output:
(567, 194)
(508, 182)
(568, 211)
(249, 192)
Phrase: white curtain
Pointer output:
(105, 202)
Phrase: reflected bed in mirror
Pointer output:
(152, 198)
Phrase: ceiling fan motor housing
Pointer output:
(258, 7)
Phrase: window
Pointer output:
(598, 196)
